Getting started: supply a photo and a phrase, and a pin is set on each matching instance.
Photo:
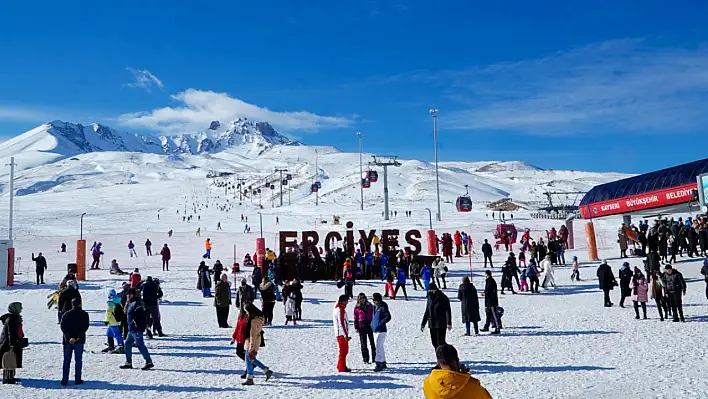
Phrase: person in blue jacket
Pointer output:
(401, 283)
(426, 273)
(359, 262)
(384, 263)
(369, 261)
(137, 323)
(378, 324)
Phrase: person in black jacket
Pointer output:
(40, 266)
(469, 303)
(507, 274)
(152, 293)
(12, 339)
(491, 301)
(607, 281)
(487, 252)
(268, 299)
(204, 282)
(217, 270)
(74, 325)
(438, 315)
(675, 287)
(625, 275)
(244, 295)
(64, 302)
(222, 301)
(296, 287)
(704, 272)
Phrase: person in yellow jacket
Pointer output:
(452, 380)
(114, 316)
(270, 255)
(376, 241)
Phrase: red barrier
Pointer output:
(432, 243)
(10, 267)
(571, 236)
(260, 251)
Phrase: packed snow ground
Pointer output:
(558, 344)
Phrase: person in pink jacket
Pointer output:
(640, 290)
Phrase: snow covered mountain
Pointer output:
(57, 140)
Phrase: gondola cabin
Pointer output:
(289, 176)
(314, 188)
(318, 184)
(372, 176)
(463, 203)
(285, 182)
(365, 183)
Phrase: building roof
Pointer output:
(661, 179)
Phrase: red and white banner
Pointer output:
(653, 199)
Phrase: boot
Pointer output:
(249, 380)
(379, 367)
(244, 375)
(495, 332)
(148, 366)
(268, 373)
(119, 350)
(127, 365)
(384, 365)
(108, 349)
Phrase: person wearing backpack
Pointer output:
(137, 323)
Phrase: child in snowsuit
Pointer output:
(576, 272)
(290, 309)
(114, 316)
(639, 292)
(523, 280)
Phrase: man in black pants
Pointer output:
(607, 281)
(675, 289)
(487, 252)
(40, 267)
(438, 315)
(491, 301)
(415, 275)
(704, 272)
(152, 293)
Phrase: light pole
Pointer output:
(430, 218)
(317, 193)
(434, 113)
(82, 225)
(260, 217)
(361, 169)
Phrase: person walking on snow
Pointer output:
(487, 252)
(675, 287)
(96, 254)
(491, 302)
(218, 226)
(152, 293)
(137, 323)
(131, 249)
(625, 275)
(222, 301)
(576, 273)
(204, 282)
(135, 278)
(437, 316)
(148, 247)
(199, 232)
(207, 247)
(704, 272)
(12, 339)
(290, 300)
(166, 256)
(74, 325)
(380, 318)
(253, 338)
(640, 288)
(40, 266)
(547, 267)
(426, 273)
(469, 303)
(341, 331)
(114, 317)
(401, 282)
(606, 280)
(363, 314)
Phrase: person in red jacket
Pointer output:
(238, 336)
(166, 255)
(135, 278)
(458, 244)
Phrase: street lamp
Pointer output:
(430, 218)
(361, 169)
(82, 225)
(260, 217)
(434, 113)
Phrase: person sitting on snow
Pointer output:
(115, 269)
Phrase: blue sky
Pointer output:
(586, 85)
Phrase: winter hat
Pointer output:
(111, 294)
(636, 269)
(575, 258)
(668, 266)
(14, 307)
(432, 287)
(136, 270)
(604, 261)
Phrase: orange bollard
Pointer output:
(432, 244)
(81, 260)
(592, 244)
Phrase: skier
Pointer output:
(625, 275)
(451, 373)
(469, 303)
(253, 336)
(218, 226)
(96, 253)
(607, 281)
(246, 229)
(74, 324)
(222, 300)
(207, 247)
(40, 266)
(166, 256)
(341, 330)
(437, 316)
(131, 249)
(363, 315)
(148, 247)
(487, 252)
(199, 232)
(63, 247)
(491, 301)
(137, 323)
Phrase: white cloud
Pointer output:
(200, 107)
(22, 114)
(144, 79)
(617, 86)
